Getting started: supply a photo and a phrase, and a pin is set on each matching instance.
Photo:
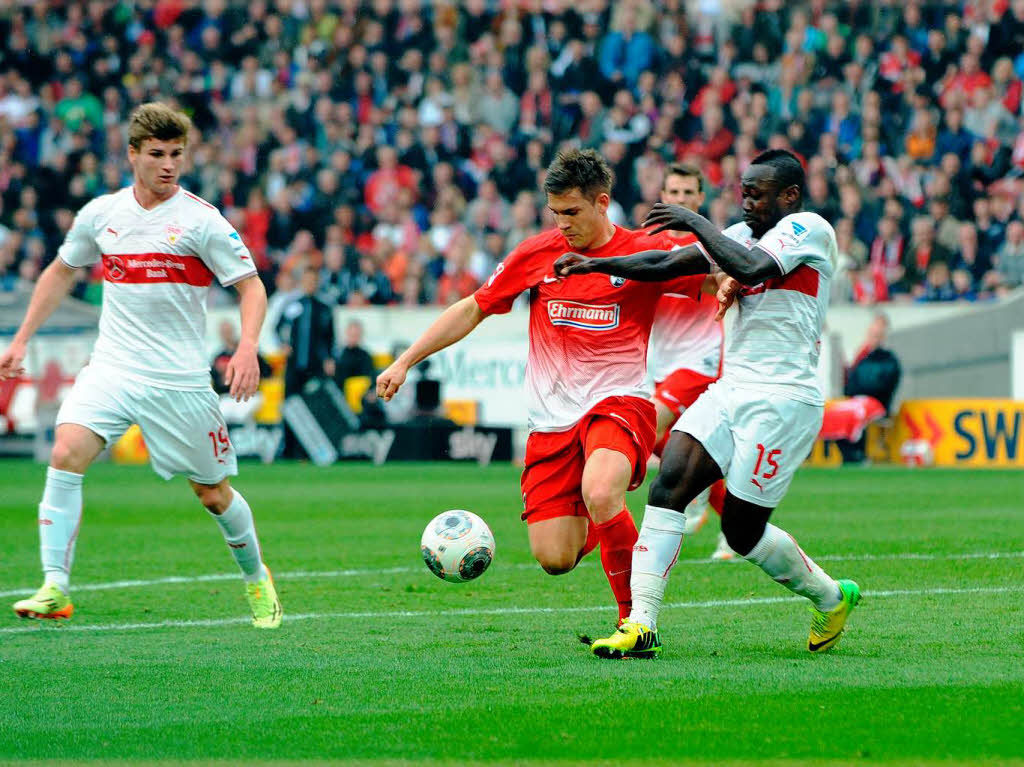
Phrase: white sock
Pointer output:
(654, 554)
(60, 514)
(778, 554)
(240, 534)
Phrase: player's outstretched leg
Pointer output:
(686, 469)
(60, 516)
(234, 517)
(777, 553)
(606, 476)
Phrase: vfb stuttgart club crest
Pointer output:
(617, 282)
(173, 233)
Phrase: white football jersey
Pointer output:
(686, 336)
(775, 343)
(157, 269)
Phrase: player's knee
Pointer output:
(556, 560)
(65, 457)
(557, 564)
(667, 492)
(216, 498)
(603, 500)
(742, 531)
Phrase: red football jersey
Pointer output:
(588, 333)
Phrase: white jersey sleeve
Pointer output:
(801, 238)
(739, 233)
(80, 247)
(222, 250)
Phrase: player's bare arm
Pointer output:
(53, 285)
(243, 371)
(645, 266)
(749, 267)
(455, 323)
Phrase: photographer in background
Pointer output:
(871, 383)
(232, 410)
(307, 330)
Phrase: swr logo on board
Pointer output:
(588, 316)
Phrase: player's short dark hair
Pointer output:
(582, 169)
(786, 167)
(686, 170)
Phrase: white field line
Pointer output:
(62, 627)
(364, 572)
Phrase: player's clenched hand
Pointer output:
(727, 290)
(11, 361)
(243, 373)
(671, 217)
(391, 380)
(573, 263)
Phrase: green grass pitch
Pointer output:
(379, 662)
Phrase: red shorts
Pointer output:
(681, 389)
(553, 472)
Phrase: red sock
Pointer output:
(593, 538)
(617, 537)
(717, 499)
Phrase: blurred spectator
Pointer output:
(353, 359)
(871, 383)
(383, 184)
(954, 138)
(1009, 259)
(358, 120)
(969, 257)
(924, 252)
(233, 411)
(625, 51)
(307, 329)
(497, 105)
(458, 279)
(947, 227)
(938, 284)
(886, 255)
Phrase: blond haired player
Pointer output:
(161, 248)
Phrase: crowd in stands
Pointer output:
(398, 146)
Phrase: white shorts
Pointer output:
(759, 440)
(184, 430)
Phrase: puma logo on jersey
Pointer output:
(112, 231)
(587, 316)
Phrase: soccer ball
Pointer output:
(457, 546)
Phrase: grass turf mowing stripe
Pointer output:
(753, 602)
(352, 573)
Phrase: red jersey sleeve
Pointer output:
(526, 266)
